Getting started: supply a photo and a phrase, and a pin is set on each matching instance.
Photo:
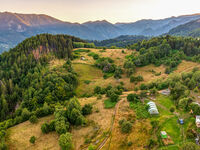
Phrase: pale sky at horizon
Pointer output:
(110, 10)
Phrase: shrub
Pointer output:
(95, 56)
(3, 146)
(32, 139)
(196, 90)
(33, 119)
(126, 127)
(143, 93)
(114, 97)
(153, 91)
(143, 87)
(18, 120)
(25, 114)
(91, 147)
(61, 126)
(132, 79)
(190, 134)
(99, 96)
(121, 121)
(152, 143)
(133, 98)
(87, 81)
(2, 134)
(45, 128)
(189, 146)
(130, 143)
(65, 141)
(97, 90)
(87, 109)
(172, 109)
(52, 125)
(43, 111)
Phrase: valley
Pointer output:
(103, 129)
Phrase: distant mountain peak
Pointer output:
(97, 22)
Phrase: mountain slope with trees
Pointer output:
(16, 27)
(189, 29)
(121, 41)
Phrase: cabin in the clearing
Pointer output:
(152, 108)
(198, 121)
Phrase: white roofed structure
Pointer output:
(152, 108)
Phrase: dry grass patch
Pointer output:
(56, 63)
(147, 75)
(115, 54)
(90, 73)
(100, 122)
(19, 136)
(186, 66)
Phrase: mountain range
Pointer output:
(189, 29)
(15, 27)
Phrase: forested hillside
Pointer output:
(166, 50)
(27, 85)
(121, 41)
(188, 29)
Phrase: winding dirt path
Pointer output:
(112, 124)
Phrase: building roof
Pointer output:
(152, 108)
(163, 134)
(197, 118)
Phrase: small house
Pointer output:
(198, 121)
(163, 135)
(166, 92)
(152, 108)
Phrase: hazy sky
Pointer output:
(111, 10)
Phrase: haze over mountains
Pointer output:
(16, 27)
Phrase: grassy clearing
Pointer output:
(186, 66)
(115, 54)
(169, 121)
(172, 127)
(109, 104)
(87, 73)
(56, 63)
(19, 136)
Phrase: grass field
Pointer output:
(19, 136)
(115, 54)
(108, 104)
(87, 72)
(169, 121)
